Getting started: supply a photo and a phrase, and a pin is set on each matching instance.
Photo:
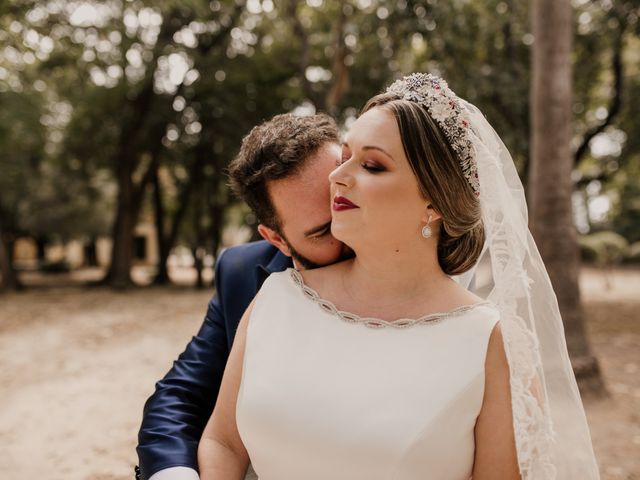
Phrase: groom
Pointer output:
(282, 173)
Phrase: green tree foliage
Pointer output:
(139, 104)
(22, 132)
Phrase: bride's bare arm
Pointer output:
(221, 453)
(495, 456)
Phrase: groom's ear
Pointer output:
(274, 238)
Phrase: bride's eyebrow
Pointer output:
(370, 147)
(373, 147)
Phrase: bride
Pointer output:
(383, 366)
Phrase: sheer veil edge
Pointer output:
(551, 432)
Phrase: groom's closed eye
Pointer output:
(318, 231)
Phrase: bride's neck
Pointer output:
(399, 272)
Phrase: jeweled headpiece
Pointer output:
(444, 107)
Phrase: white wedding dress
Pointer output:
(328, 395)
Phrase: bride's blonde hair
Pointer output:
(441, 181)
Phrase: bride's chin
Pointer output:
(352, 238)
(343, 233)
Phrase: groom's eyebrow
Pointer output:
(318, 229)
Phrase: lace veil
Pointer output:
(552, 437)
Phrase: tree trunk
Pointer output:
(162, 276)
(199, 252)
(91, 253)
(130, 196)
(198, 264)
(9, 277)
(550, 184)
(41, 246)
(183, 204)
(183, 201)
(217, 215)
(119, 275)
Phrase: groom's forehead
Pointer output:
(303, 196)
(309, 180)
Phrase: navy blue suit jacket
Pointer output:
(176, 414)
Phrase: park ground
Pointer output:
(76, 365)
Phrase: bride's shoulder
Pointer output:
(478, 307)
(462, 296)
(279, 278)
(318, 278)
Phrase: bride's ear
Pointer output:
(274, 238)
(430, 211)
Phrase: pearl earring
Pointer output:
(426, 230)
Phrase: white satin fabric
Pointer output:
(325, 398)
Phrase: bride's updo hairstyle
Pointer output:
(441, 180)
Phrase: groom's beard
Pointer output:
(307, 264)
(303, 261)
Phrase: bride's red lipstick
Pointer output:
(342, 203)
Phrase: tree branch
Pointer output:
(340, 70)
(305, 55)
(615, 102)
(159, 130)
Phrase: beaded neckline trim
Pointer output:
(371, 322)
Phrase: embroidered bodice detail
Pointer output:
(371, 322)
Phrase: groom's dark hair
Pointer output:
(276, 149)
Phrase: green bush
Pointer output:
(605, 248)
(588, 251)
(633, 254)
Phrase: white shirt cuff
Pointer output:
(176, 473)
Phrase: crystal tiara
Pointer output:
(445, 108)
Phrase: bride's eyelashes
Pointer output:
(369, 166)
(372, 167)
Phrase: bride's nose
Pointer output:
(341, 176)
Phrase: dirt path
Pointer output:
(612, 309)
(76, 366)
